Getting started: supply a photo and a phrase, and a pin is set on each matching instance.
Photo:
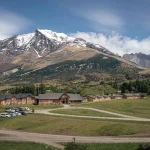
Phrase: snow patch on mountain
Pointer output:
(37, 53)
(24, 39)
(60, 37)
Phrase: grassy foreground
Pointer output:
(41, 123)
(24, 146)
(82, 112)
(118, 146)
(135, 107)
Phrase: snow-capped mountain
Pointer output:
(44, 42)
(39, 47)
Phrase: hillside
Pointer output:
(94, 67)
(29, 50)
(42, 48)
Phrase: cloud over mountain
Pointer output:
(117, 43)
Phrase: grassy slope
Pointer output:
(67, 69)
(128, 146)
(135, 107)
(73, 126)
(82, 112)
(24, 146)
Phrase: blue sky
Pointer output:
(128, 19)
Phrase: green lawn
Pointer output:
(135, 107)
(24, 146)
(34, 106)
(82, 112)
(41, 123)
(2, 110)
(118, 146)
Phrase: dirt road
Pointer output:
(54, 139)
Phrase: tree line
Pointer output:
(137, 86)
(33, 89)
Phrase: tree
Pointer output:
(42, 89)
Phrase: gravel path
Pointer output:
(121, 116)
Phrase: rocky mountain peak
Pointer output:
(59, 37)
(138, 58)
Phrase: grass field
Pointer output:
(135, 107)
(2, 110)
(118, 146)
(24, 146)
(92, 146)
(41, 123)
(82, 112)
(33, 106)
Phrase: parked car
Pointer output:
(18, 113)
(12, 114)
(23, 113)
(5, 115)
(16, 109)
(10, 110)
(24, 108)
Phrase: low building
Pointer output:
(24, 98)
(27, 98)
(84, 99)
(2, 99)
(106, 97)
(59, 98)
(131, 96)
(100, 98)
(75, 98)
(91, 98)
(117, 96)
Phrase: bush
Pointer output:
(75, 146)
(144, 147)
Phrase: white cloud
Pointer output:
(103, 20)
(117, 43)
(11, 23)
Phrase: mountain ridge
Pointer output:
(42, 48)
(138, 58)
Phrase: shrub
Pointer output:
(144, 147)
(75, 146)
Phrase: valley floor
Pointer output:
(116, 121)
